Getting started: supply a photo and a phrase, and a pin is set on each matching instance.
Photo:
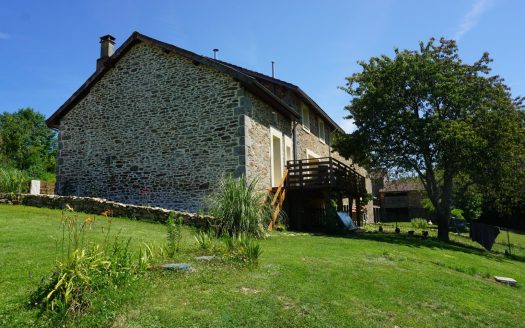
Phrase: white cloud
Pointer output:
(4, 36)
(470, 20)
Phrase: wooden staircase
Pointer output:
(278, 199)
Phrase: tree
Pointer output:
(426, 111)
(26, 143)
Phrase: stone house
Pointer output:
(400, 200)
(161, 125)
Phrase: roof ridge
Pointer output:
(250, 71)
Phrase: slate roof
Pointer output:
(292, 87)
(250, 79)
(402, 186)
(246, 80)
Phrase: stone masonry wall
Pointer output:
(98, 205)
(157, 128)
(258, 121)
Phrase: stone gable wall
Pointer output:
(156, 128)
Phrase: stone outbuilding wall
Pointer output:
(156, 128)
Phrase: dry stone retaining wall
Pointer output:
(99, 205)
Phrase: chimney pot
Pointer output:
(107, 48)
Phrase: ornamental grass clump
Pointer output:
(239, 208)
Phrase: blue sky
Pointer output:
(49, 48)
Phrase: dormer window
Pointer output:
(306, 118)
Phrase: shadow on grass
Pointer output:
(428, 242)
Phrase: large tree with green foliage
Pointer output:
(26, 143)
(426, 111)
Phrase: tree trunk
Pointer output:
(445, 206)
(443, 219)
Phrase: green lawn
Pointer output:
(364, 280)
(517, 240)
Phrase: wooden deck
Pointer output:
(324, 173)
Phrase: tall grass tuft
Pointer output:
(419, 223)
(13, 181)
(239, 208)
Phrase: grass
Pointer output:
(302, 280)
(517, 240)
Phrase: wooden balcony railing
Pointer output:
(324, 172)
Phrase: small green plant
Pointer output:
(419, 223)
(243, 248)
(174, 234)
(204, 239)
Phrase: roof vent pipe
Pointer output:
(273, 69)
(107, 48)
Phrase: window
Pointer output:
(312, 160)
(306, 118)
(288, 149)
(322, 131)
(276, 158)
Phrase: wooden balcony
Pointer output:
(324, 173)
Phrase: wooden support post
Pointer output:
(339, 201)
(358, 211)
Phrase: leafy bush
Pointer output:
(13, 181)
(457, 214)
(419, 223)
(244, 248)
(174, 234)
(239, 208)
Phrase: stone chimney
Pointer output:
(107, 48)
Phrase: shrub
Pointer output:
(457, 214)
(13, 181)
(419, 223)
(174, 234)
(239, 208)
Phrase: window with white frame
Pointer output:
(276, 156)
(288, 149)
(306, 118)
(322, 131)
